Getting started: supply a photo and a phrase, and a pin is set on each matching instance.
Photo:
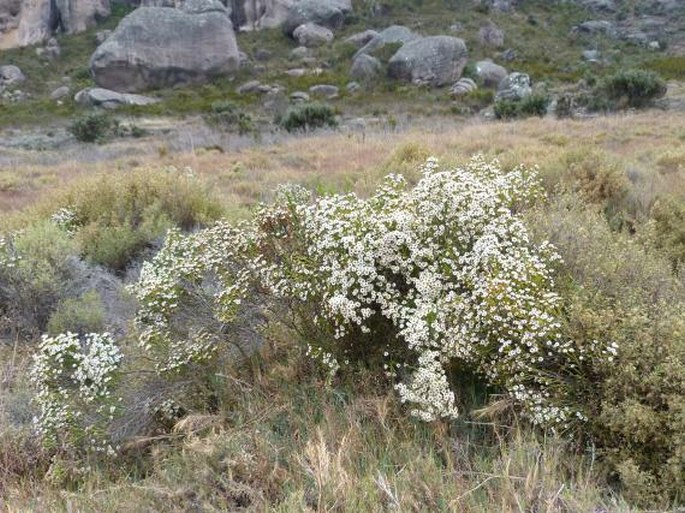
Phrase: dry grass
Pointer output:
(648, 145)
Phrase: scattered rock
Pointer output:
(312, 35)
(296, 72)
(365, 68)
(491, 35)
(392, 34)
(98, 97)
(156, 47)
(299, 96)
(457, 27)
(353, 87)
(463, 86)
(605, 6)
(249, 87)
(60, 92)
(490, 74)
(509, 55)
(594, 27)
(299, 53)
(10, 75)
(361, 38)
(327, 13)
(244, 60)
(275, 102)
(591, 55)
(516, 86)
(324, 90)
(434, 60)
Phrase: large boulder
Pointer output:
(79, 15)
(259, 14)
(434, 60)
(311, 35)
(327, 13)
(395, 34)
(490, 74)
(516, 86)
(38, 20)
(30, 22)
(10, 75)
(155, 47)
(365, 68)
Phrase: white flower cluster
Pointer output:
(66, 219)
(449, 263)
(74, 377)
(173, 289)
(446, 270)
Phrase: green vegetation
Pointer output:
(533, 105)
(94, 127)
(630, 88)
(306, 117)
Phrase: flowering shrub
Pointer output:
(189, 295)
(446, 268)
(74, 377)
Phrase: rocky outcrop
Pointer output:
(30, 22)
(98, 97)
(79, 15)
(259, 14)
(491, 35)
(434, 61)
(155, 47)
(327, 13)
(38, 21)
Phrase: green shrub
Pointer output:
(113, 218)
(81, 315)
(533, 105)
(614, 290)
(225, 114)
(35, 272)
(668, 224)
(94, 127)
(629, 88)
(308, 116)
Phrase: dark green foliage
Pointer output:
(533, 105)
(226, 115)
(629, 88)
(94, 127)
(308, 116)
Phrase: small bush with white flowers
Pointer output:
(428, 279)
(75, 376)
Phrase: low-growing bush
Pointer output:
(308, 116)
(628, 88)
(81, 315)
(616, 290)
(94, 127)
(225, 114)
(36, 269)
(533, 105)
(114, 218)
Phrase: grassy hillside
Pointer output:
(280, 434)
(539, 32)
